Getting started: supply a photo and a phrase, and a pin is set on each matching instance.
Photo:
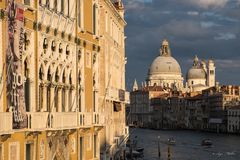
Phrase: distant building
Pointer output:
(200, 76)
(163, 101)
(140, 108)
(233, 114)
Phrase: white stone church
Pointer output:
(166, 72)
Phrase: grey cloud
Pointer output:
(193, 13)
(225, 36)
(210, 33)
(209, 24)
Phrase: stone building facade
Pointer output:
(215, 109)
(51, 93)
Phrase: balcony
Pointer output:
(112, 94)
(64, 120)
(85, 120)
(38, 121)
(127, 97)
(118, 95)
(98, 119)
(5, 122)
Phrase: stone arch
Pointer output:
(79, 79)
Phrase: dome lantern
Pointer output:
(165, 49)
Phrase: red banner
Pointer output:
(15, 41)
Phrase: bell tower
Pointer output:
(211, 73)
(135, 85)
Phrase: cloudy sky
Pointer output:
(208, 28)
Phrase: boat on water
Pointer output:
(139, 149)
(171, 141)
(206, 142)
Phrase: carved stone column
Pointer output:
(44, 94)
(59, 98)
(52, 98)
(67, 98)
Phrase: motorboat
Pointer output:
(139, 149)
(206, 142)
(171, 141)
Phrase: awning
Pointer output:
(117, 106)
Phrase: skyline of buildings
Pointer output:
(163, 102)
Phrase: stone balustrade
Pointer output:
(5, 122)
(39, 121)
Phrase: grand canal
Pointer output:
(188, 145)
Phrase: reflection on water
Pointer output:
(188, 145)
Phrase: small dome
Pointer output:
(165, 65)
(196, 73)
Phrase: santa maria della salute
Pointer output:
(164, 101)
(165, 71)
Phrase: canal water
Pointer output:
(188, 145)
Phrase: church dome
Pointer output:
(165, 64)
(196, 71)
(165, 71)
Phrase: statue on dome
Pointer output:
(165, 49)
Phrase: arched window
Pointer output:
(79, 92)
(60, 48)
(27, 86)
(56, 90)
(62, 6)
(79, 16)
(57, 75)
(94, 94)
(63, 92)
(40, 89)
(70, 93)
(68, 9)
(49, 90)
(53, 47)
(79, 55)
(94, 19)
(67, 50)
(47, 3)
(45, 43)
(55, 6)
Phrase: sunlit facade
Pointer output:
(50, 71)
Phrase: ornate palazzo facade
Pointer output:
(58, 72)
